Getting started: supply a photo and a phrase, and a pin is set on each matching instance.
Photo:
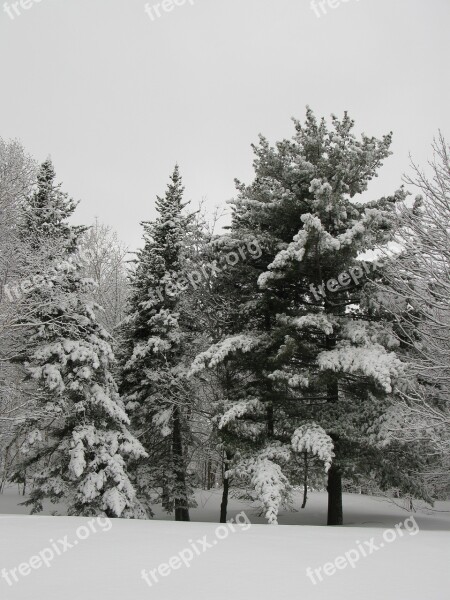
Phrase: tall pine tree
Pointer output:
(156, 333)
(317, 368)
(76, 441)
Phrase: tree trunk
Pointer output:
(226, 489)
(181, 505)
(305, 479)
(270, 421)
(166, 500)
(224, 503)
(334, 489)
(208, 475)
(181, 510)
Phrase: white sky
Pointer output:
(116, 98)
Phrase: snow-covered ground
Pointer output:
(253, 562)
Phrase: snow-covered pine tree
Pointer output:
(47, 211)
(156, 333)
(317, 373)
(78, 446)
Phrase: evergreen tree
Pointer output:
(317, 367)
(78, 443)
(157, 332)
(47, 211)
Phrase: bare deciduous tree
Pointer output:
(105, 263)
(418, 294)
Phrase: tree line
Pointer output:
(305, 345)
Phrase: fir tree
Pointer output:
(78, 442)
(157, 332)
(47, 211)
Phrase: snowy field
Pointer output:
(254, 561)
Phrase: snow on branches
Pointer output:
(267, 479)
(217, 353)
(249, 406)
(373, 362)
(321, 321)
(312, 439)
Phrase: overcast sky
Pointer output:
(116, 98)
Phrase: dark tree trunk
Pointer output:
(181, 507)
(270, 421)
(334, 489)
(166, 500)
(226, 489)
(224, 503)
(181, 510)
(208, 475)
(305, 479)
